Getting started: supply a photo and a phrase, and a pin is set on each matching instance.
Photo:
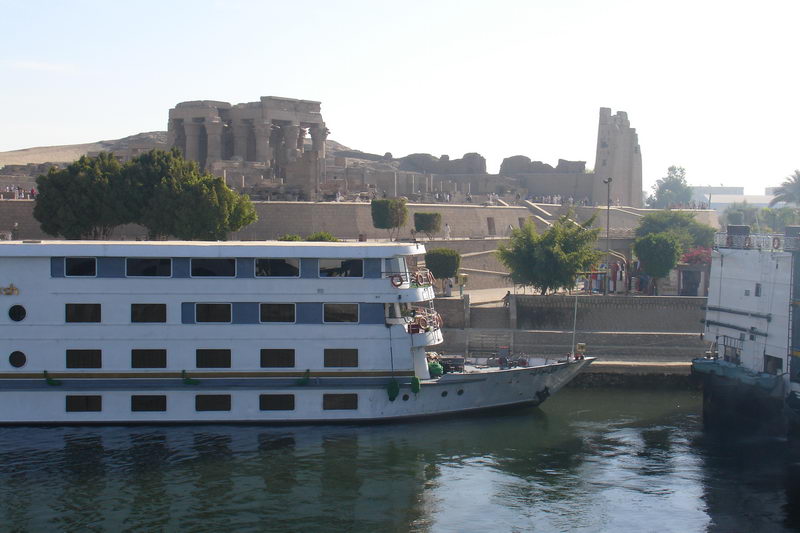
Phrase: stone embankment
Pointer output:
(641, 341)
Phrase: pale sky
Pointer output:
(712, 86)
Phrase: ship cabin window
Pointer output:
(82, 312)
(17, 313)
(773, 365)
(276, 402)
(148, 313)
(277, 268)
(17, 359)
(218, 267)
(155, 402)
(277, 358)
(277, 313)
(341, 357)
(159, 267)
(149, 358)
(340, 313)
(219, 313)
(341, 268)
(758, 289)
(338, 402)
(212, 402)
(213, 358)
(396, 265)
(82, 404)
(80, 266)
(84, 359)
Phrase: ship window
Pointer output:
(78, 404)
(17, 313)
(223, 268)
(149, 403)
(341, 313)
(213, 312)
(17, 359)
(83, 312)
(80, 266)
(336, 357)
(213, 358)
(773, 365)
(148, 312)
(276, 402)
(341, 268)
(277, 358)
(212, 402)
(149, 267)
(277, 312)
(335, 402)
(758, 289)
(149, 358)
(282, 268)
(84, 359)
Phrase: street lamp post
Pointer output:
(607, 284)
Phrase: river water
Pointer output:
(587, 460)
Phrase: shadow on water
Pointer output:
(588, 460)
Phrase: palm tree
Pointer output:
(789, 191)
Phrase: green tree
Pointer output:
(553, 259)
(687, 231)
(789, 190)
(321, 236)
(443, 263)
(658, 254)
(672, 189)
(81, 201)
(428, 223)
(390, 214)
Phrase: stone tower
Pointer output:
(619, 157)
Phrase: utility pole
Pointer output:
(607, 284)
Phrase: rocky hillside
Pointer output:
(71, 152)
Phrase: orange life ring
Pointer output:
(776, 243)
(423, 322)
(431, 278)
(396, 280)
(439, 320)
(420, 279)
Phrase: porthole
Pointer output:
(460, 392)
(405, 397)
(17, 359)
(444, 393)
(17, 313)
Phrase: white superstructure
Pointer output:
(101, 332)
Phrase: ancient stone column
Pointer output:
(241, 130)
(263, 130)
(319, 133)
(290, 132)
(214, 135)
(192, 130)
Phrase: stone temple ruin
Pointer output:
(263, 148)
(254, 140)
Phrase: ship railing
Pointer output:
(421, 277)
(757, 241)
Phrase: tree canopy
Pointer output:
(760, 219)
(553, 259)
(82, 200)
(670, 190)
(658, 253)
(428, 223)
(158, 190)
(443, 263)
(687, 231)
(789, 190)
(390, 214)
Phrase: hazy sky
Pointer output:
(710, 86)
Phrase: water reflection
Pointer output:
(588, 461)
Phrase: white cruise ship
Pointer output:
(168, 332)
